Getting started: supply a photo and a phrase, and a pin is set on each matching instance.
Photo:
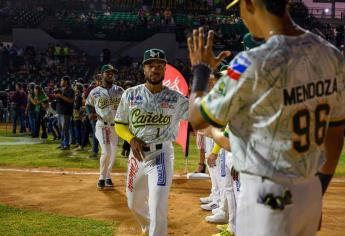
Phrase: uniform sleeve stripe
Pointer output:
(119, 122)
(209, 118)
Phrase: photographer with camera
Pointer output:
(64, 109)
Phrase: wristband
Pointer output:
(216, 149)
(201, 75)
(325, 179)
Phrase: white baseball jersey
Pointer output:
(279, 100)
(152, 118)
(105, 101)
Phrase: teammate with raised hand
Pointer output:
(284, 105)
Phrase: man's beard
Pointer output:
(154, 82)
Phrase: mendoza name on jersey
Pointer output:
(309, 91)
(140, 118)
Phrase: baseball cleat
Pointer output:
(217, 218)
(109, 183)
(93, 156)
(217, 210)
(206, 200)
(222, 227)
(101, 184)
(210, 206)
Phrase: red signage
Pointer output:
(175, 80)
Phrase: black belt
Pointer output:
(111, 124)
(148, 148)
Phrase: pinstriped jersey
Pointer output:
(279, 100)
(105, 101)
(151, 117)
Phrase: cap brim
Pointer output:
(233, 3)
(151, 59)
(115, 70)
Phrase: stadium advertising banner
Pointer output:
(175, 80)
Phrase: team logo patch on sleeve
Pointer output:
(238, 67)
(161, 175)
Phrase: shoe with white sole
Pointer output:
(219, 218)
(217, 210)
(210, 206)
(206, 200)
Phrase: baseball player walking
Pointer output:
(285, 108)
(148, 118)
(105, 99)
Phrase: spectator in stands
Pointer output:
(30, 109)
(40, 100)
(64, 110)
(52, 121)
(77, 122)
(18, 104)
(93, 116)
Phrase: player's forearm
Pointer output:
(195, 117)
(123, 132)
(221, 139)
(333, 146)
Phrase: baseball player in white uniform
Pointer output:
(285, 108)
(148, 118)
(105, 99)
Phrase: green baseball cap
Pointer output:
(154, 54)
(250, 42)
(231, 4)
(107, 68)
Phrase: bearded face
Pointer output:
(154, 71)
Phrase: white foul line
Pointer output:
(59, 172)
(63, 172)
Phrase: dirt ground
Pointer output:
(77, 195)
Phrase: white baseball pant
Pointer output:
(148, 185)
(107, 139)
(301, 217)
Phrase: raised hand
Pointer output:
(199, 53)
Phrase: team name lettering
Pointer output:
(138, 119)
(132, 173)
(104, 102)
(309, 91)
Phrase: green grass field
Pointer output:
(15, 221)
(47, 155)
(19, 222)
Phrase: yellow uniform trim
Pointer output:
(123, 131)
(216, 148)
(210, 117)
(230, 5)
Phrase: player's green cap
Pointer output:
(107, 68)
(250, 42)
(154, 54)
(231, 4)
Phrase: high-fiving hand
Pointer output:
(137, 146)
(199, 53)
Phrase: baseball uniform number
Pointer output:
(301, 127)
